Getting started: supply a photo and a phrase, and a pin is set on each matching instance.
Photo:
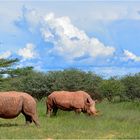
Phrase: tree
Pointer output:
(132, 86)
(18, 72)
(73, 80)
(34, 83)
(91, 84)
(5, 68)
(55, 81)
(7, 62)
(112, 88)
(5, 65)
(10, 77)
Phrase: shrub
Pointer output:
(132, 86)
(36, 84)
(73, 80)
(112, 88)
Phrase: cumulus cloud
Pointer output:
(5, 55)
(131, 56)
(71, 42)
(68, 41)
(30, 19)
(59, 39)
(28, 52)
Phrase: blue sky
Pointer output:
(102, 37)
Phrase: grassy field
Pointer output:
(118, 120)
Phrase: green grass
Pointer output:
(118, 120)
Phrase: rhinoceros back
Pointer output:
(68, 100)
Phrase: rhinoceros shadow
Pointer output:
(9, 125)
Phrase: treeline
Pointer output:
(40, 84)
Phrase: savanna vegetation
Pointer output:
(39, 84)
(119, 103)
(118, 120)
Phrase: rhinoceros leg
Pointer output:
(78, 111)
(35, 120)
(49, 111)
(29, 117)
(55, 111)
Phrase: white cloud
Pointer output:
(131, 56)
(32, 17)
(71, 42)
(28, 52)
(5, 55)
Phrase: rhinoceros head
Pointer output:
(91, 109)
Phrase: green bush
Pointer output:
(132, 86)
(40, 84)
(36, 84)
(73, 80)
(111, 89)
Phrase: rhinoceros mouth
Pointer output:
(93, 110)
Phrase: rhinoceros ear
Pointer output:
(89, 101)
